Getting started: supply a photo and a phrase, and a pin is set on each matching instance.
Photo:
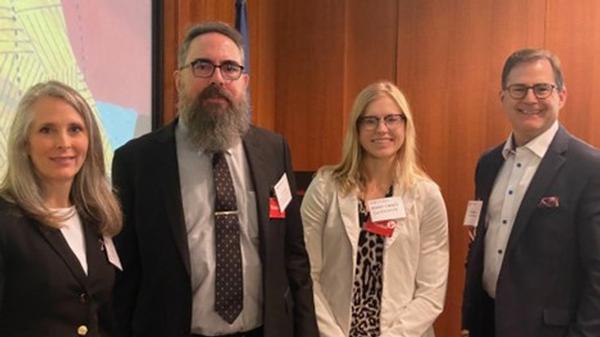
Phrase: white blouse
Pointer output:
(72, 231)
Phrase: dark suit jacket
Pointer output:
(153, 296)
(549, 281)
(44, 291)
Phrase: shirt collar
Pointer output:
(181, 131)
(539, 145)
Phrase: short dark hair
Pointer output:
(205, 28)
(530, 55)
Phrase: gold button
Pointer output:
(82, 330)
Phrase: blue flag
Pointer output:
(241, 24)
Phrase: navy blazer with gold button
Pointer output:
(44, 290)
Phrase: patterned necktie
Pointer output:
(229, 278)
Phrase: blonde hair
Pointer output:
(91, 192)
(348, 173)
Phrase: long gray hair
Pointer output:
(91, 192)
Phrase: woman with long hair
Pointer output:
(57, 216)
(375, 228)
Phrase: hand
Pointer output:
(464, 333)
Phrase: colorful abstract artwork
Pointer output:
(101, 48)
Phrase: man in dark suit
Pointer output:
(191, 266)
(533, 269)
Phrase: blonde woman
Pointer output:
(375, 227)
(57, 217)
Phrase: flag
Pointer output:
(241, 24)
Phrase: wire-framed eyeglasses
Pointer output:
(391, 121)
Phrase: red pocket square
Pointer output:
(549, 202)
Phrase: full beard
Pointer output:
(212, 126)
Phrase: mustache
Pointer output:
(211, 126)
(214, 91)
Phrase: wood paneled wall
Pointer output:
(310, 58)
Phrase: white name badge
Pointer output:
(473, 212)
(386, 209)
(111, 253)
(283, 192)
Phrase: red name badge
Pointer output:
(383, 228)
(274, 211)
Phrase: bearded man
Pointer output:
(212, 245)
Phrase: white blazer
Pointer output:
(415, 259)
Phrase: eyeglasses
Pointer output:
(540, 90)
(202, 68)
(370, 123)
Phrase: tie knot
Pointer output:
(217, 158)
(224, 190)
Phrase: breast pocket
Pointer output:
(556, 223)
(556, 317)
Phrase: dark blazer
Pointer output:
(549, 281)
(44, 291)
(153, 296)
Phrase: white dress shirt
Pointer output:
(509, 188)
(198, 197)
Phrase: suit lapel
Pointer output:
(258, 162)
(408, 201)
(58, 243)
(543, 178)
(94, 252)
(167, 175)
(349, 213)
(488, 173)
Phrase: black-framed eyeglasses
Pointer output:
(370, 123)
(202, 68)
(540, 90)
